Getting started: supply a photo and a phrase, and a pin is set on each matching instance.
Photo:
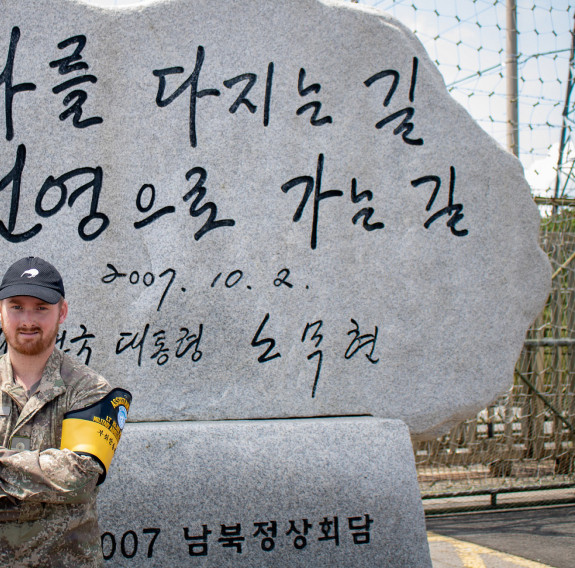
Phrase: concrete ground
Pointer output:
(532, 538)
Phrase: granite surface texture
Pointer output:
(264, 210)
(338, 492)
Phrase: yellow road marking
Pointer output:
(470, 554)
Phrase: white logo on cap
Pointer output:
(32, 273)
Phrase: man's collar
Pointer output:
(51, 383)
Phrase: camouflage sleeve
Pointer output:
(51, 476)
(5, 452)
(89, 389)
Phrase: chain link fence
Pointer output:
(520, 450)
(467, 39)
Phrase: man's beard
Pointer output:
(39, 345)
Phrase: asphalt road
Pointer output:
(545, 535)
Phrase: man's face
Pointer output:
(30, 325)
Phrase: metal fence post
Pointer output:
(511, 79)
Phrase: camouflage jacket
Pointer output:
(47, 496)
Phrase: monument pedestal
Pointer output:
(338, 492)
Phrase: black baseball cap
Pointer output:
(35, 277)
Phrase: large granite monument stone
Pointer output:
(263, 210)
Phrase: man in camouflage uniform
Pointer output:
(47, 496)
